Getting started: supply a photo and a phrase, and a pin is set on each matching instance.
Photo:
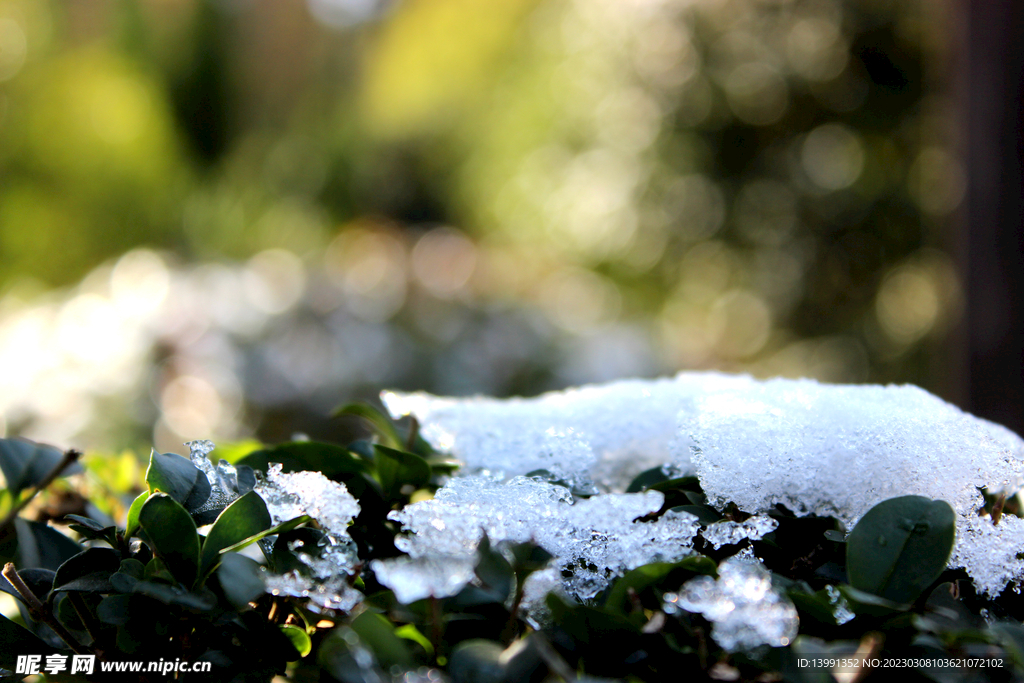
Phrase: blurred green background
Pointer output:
(319, 198)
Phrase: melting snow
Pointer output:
(744, 610)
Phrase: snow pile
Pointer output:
(741, 604)
(597, 538)
(607, 432)
(817, 449)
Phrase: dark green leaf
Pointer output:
(379, 423)
(279, 529)
(88, 571)
(705, 514)
(240, 579)
(172, 474)
(195, 503)
(241, 520)
(114, 609)
(172, 535)
(37, 545)
(396, 469)
(39, 581)
(299, 640)
(26, 463)
(651, 574)
(18, 641)
(835, 535)
(869, 604)
(173, 595)
(331, 460)
(133, 568)
(647, 479)
(900, 547)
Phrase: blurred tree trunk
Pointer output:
(995, 209)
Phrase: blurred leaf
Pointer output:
(241, 520)
(647, 479)
(18, 641)
(869, 604)
(378, 421)
(39, 581)
(26, 463)
(396, 469)
(378, 634)
(173, 595)
(477, 661)
(410, 632)
(900, 547)
(240, 580)
(705, 514)
(298, 456)
(172, 535)
(299, 640)
(651, 574)
(173, 474)
(34, 544)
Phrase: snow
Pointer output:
(833, 450)
(416, 578)
(731, 533)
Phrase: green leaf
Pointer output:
(705, 514)
(299, 640)
(34, 544)
(869, 604)
(244, 518)
(396, 469)
(89, 571)
(273, 531)
(381, 425)
(900, 547)
(240, 580)
(133, 515)
(378, 634)
(18, 641)
(172, 474)
(26, 463)
(173, 595)
(172, 535)
(298, 456)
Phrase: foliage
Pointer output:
(173, 582)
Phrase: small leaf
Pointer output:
(241, 520)
(172, 474)
(132, 526)
(88, 571)
(835, 535)
(705, 514)
(173, 536)
(299, 640)
(647, 479)
(396, 469)
(900, 547)
(477, 661)
(410, 632)
(240, 580)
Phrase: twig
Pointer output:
(551, 657)
(997, 508)
(39, 610)
(70, 456)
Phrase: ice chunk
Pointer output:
(626, 426)
(325, 581)
(838, 450)
(416, 578)
(744, 609)
(840, 607)
(730, 533)
(598, 538)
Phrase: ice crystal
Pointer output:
(223, 478)
(598, 537)
(744, 609)
(840, 607)
(730, 533)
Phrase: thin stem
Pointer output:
(551, 657)
(70, 456)
(39, 610)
